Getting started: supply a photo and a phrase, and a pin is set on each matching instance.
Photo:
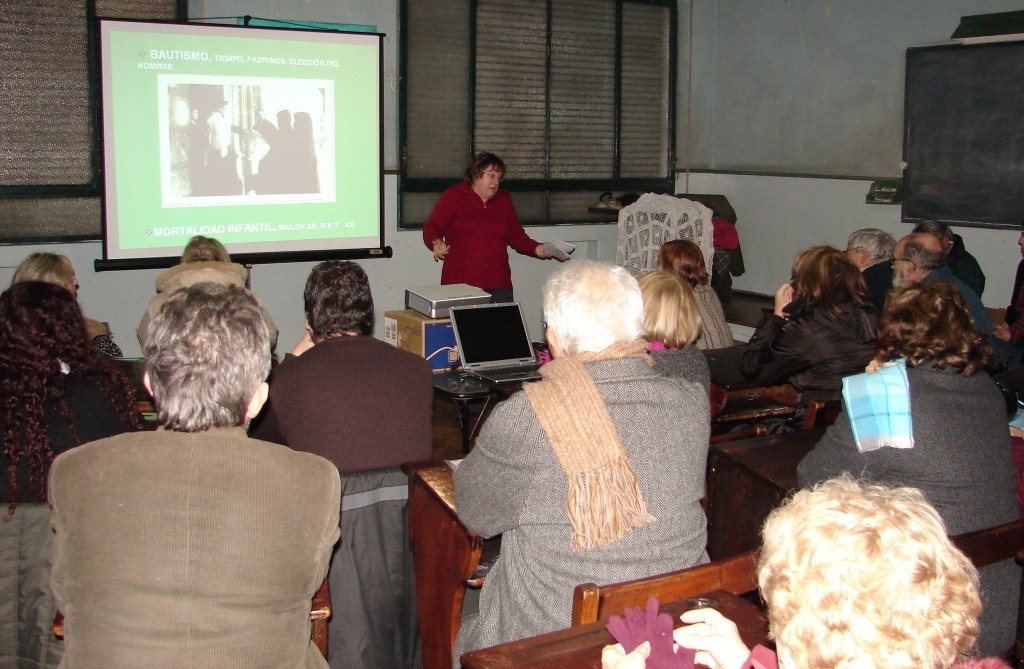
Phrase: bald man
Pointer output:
(920, 258)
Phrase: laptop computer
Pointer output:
(493, 342)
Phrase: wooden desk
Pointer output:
(735, 400)
(746, 480)
(445, 554)
(580, 647)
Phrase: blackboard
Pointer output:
(963, 136)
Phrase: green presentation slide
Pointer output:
(268, 140)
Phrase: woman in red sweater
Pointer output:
(471, 227)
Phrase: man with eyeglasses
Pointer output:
(870, 249)
(919, 258)
(472, 226)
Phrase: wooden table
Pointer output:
(746, 480)
(580, 647)
(445, 554)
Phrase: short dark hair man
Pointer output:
(194, 546)
(359, 402)
(366, 406)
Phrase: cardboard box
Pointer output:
(432, 338)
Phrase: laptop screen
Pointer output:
(491, 335)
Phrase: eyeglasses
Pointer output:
(854, 248)
(893, 261)
(499, 176)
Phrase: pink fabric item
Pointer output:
(724, 234)
(982, 663)
(761, 658)
(634, 627)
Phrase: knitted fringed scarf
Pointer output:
(604, 500)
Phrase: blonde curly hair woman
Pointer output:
(854, 575)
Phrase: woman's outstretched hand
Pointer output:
(714, 637)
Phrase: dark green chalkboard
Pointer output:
(963, 138)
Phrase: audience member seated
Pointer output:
(1012, 329)
(854, 575)
(365, 406)
(963, 265)
(955, 446)
(822, 329)
(194, 546)
(595, 473)
(203, 260)
(685, 259)
(56, 392)
(870, 249)
(920, 258)
(56, 269)
(671, 323)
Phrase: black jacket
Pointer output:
(812, 350)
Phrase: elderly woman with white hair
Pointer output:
(594, 473)
(853, 574)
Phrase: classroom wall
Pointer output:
(810, 87)
(778, 215)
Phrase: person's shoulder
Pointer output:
(641, 379)
(109, 447)
(290, 459)
(460, 188)
(373, 349)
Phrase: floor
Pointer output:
(747, 308)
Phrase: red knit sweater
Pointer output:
(478, 234)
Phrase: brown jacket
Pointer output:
(190, 550)
(189, 274)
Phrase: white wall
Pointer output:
(778, 216)
(770, 74)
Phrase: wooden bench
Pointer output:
(995, 544)
(591, 602)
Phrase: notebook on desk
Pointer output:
(493, 342)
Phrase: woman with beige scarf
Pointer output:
(594, 473)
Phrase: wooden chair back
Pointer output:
(737, 574)
(995, 544)
(319, 614)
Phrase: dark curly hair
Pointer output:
(930, 322)
(337, 300)
(41, 327)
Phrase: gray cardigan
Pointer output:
(961, 461)
(512, 484)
